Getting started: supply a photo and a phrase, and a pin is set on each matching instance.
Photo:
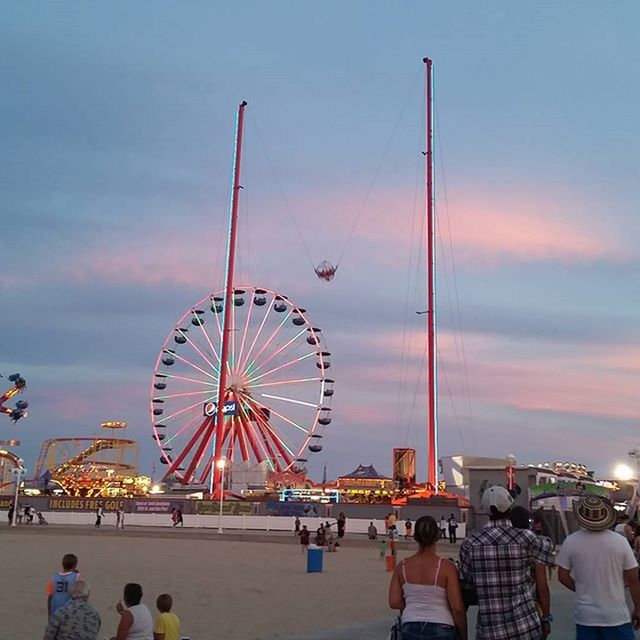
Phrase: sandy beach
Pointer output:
(240, 590)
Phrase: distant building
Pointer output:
(365, 484)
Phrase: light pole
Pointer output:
(18, 472)
(221, 464)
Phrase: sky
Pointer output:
(117, 137)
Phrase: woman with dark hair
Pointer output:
(136, 622)
(426, 588)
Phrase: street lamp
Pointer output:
(221, 464)
(18, 472)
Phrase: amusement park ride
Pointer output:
(243, 374)
(90, 467)
(8, 459)
(242, 377)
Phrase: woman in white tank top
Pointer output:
(426, 589)
(136, 622)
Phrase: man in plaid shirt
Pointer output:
(498, 562)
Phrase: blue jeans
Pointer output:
(428, 631)
(621, 632)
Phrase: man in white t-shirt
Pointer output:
(597, 564)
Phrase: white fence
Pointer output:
(235, 523)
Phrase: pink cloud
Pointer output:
(488, 229)
(528, 375)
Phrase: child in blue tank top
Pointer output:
(59, 585)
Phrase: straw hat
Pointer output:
(594, 513)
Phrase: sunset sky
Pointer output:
(117, 136)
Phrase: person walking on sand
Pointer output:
(497, 562)
(167, 626)
(77, 620)
(99, 515)
(407, 529)
(304, 538)
(136, 622)
(296, 526)
(180, 518)
(453, 529)
(58, 587)
(10, 514)
(597, 564)
(443, 527)
(372, 531)
(342, 524)
(120, 518)
(426, 588)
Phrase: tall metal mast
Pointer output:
(228, 299)
(432, 464)
(210, 427)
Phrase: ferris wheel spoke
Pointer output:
(170, 375)
(246, 327)
(190, 407)
(255, 436)
(282, 448)
(266, 344)
(279, 351)
(272, 410)
(242, 365)
(287, 420)
(282, 366)
(208, 339)
(281, 382)
(291, 400)
(182, 429)
(242, 440)
(195, 366)
(202, 429)
(265, 440)
(252, 440)
(187, 393)
(195, 346)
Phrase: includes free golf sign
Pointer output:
(211, 408)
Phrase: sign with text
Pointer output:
(154, 506)
(84, 504)
(212, 508)
(230, 408)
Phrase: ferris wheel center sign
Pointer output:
(229, 409)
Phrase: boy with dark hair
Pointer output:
(59, 586)
(167, 625)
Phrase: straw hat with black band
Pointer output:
(595, 513)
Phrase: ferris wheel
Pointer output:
(277, 394)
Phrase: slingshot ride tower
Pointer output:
(242, 377)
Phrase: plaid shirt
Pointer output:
(498, 562)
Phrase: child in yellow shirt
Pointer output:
(167, 625)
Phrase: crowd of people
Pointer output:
(25, 514)
(324, 537)
(72, 617)
(503, 569)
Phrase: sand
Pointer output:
(221, 589)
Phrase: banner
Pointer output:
(212, 508)
(156, 506)
(566, 488)
(84, 504)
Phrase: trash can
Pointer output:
(314, 561)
